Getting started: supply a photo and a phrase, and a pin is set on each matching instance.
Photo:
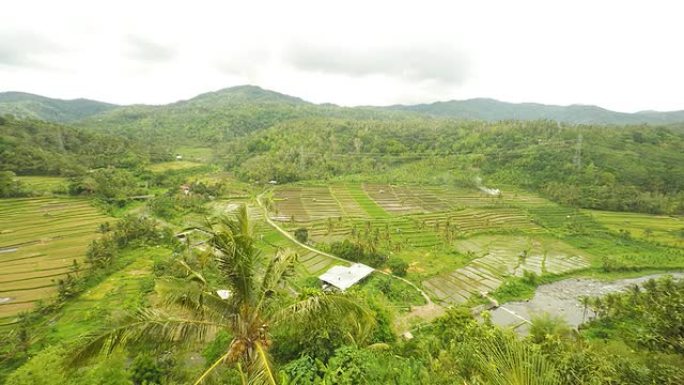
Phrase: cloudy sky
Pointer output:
(623, 55)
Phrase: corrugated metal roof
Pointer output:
(343, 277)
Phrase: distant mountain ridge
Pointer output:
(494, 110)
(219, 104)
(241, 95)
(25, 105)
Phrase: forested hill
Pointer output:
(33, 147)
(494, 110)
(24, 105)
(218, 116)
(232, 112)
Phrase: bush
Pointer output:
(302, 234)
(398, 266)
(355, 252)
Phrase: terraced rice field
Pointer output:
(472, 221)
(310, 263)
(557, 217)
(43, 183)
(307, 203)
(39, 240)
(663, 229)
(411, 216)
(173, 165)
(438, 230)
(500, 257)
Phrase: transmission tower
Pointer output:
(577, 160)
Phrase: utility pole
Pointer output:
(301, 157)
(577, 160)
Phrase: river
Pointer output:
(562, 298)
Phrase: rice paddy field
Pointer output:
(663, 229)
(173, 165)
(196, 154)
(39, 240)
(270, 240)
(44, 184)
(460, 242)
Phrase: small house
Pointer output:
(224, 294)
(343, 277)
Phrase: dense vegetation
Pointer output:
(30, 147)
(494, 110)
(215, 116)
(237, 302)
(611, 168)
(31, 106)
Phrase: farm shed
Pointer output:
(342, 277)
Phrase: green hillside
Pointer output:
(34, 147)
(24, 105)
(216, 116)
(493, 110)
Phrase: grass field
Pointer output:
(173, 165)
(121, 291)
(43, 183)
(196, 154)
(39, 240)
(662, 229)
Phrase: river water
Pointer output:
(562, 298)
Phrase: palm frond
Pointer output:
(325, 308)
(192, 274)
(237, 255)
(213, 366)
(261, 368)
(509, 361)
(197, 299)
(279, 268)
(143, 326)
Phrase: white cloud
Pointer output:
(22, 48)
(414, 64)
(622, 55)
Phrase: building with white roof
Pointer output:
(343, 277)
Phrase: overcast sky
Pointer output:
(623, 55)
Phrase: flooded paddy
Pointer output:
(562, 298)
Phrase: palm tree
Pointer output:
(597, 307)
(546, 326)
(509, 361)
(196, 312)
(635, 291)
(585, 301)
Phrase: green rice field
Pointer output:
(173, 165)
(39, 240)
(43, 183)
(662, 229)
(459, 242)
